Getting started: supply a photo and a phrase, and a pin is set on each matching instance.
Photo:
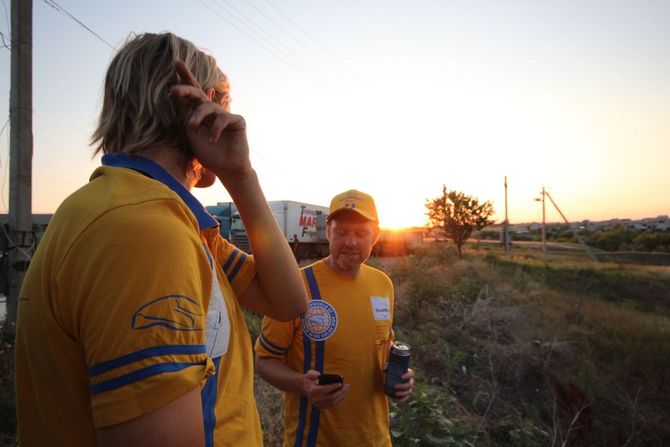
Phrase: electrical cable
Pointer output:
(274, 41)
(261, 44)
(59, 8)
(27, 254)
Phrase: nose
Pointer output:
(350, 241)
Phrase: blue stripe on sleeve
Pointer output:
(232, 275)
(208, 397)
(269, 349)
(232, 257)
(140, 374)
(272, 345)
(145, 354)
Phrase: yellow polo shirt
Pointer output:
(129, 303)
(346, 330)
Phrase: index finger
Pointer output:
(185, 74)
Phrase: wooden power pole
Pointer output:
(544, 223)
(20, 155)
(506, 225)
(544, 219)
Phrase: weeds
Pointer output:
(7, 405)
(536, 351)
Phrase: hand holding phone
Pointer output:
(327, 379)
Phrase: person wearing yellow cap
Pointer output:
(346, 331)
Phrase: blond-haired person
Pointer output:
(130, 330)
(346, 331)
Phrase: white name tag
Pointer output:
(380, 308)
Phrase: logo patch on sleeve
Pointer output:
(174, 312)
(381, 309)
(320, 320)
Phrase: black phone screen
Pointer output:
(326, 379)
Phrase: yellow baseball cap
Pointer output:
(355, 201)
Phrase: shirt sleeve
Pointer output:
(138, 291)
(236, 264)
(275, 338)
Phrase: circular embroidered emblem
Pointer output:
(320, 320)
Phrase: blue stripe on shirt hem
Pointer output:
(208, 396)
(144, 354)
(138, 375)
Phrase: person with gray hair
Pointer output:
(130, 328)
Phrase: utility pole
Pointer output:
(506, 226)
(581, 241)
(20, 156)
(544, 218)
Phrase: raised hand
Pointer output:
(217, 137)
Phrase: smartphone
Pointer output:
(327, 379)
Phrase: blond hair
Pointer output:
(138, 110)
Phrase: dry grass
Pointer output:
(543, 350)
(7, 406)
(271, 411)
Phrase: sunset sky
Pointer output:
(394, 98)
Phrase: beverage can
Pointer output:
(397, 366)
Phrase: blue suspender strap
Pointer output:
(313, 286)
(320, 345)
(307, 345)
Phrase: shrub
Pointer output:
(427, 419)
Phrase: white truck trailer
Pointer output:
(303, 225)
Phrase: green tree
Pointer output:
(458, 215)
(612, 239)
(653, 240)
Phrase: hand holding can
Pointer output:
(398, 364)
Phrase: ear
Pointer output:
(210, 93)
(207, 179)
(376, 232)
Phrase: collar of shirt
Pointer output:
(157, 172)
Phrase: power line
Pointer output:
(59, 8)
(280, 27)
(309, 36)
(4, 204)
(4, 44)
(259, 42)
(273, 40)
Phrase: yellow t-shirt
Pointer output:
(128, 304)
(346, 330)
